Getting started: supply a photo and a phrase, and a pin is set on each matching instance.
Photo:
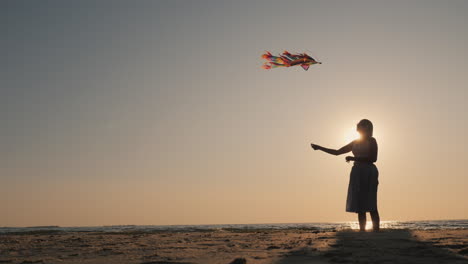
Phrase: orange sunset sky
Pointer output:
(158, 112)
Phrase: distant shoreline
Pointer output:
(410, 225)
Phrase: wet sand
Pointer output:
(295, 246)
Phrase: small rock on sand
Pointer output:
(239, 261)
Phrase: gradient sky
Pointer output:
(157, 112)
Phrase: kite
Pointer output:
(287, 59)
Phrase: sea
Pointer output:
(336, 226)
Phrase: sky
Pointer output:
(158, 112)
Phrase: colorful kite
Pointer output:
(287, 60)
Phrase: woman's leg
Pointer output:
(362, 221)
(375, 220)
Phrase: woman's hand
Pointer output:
(349, 158)
(315, 147)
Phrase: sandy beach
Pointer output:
(235, 246)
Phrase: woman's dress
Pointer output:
(363, 181)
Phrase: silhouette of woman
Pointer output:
(363, 181)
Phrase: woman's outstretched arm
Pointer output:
(335, 152)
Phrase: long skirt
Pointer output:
(362, 188)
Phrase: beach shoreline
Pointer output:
(225, 245)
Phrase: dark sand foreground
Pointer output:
(223, 246)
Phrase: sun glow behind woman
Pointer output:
(351, 134)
